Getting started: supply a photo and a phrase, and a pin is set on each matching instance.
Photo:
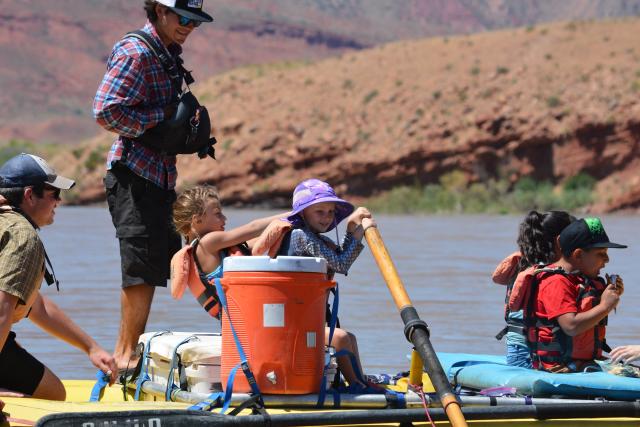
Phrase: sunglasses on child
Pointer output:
(184, 21)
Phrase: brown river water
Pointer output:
(445, 263)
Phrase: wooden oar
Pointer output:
(415, 329)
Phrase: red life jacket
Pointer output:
(186, 272)
(561, 349)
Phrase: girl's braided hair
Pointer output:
(537, 236)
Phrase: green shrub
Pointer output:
(369, 97)
(553, 101)
(227, 144)
(77, 152)
(15, 147)
(453, 193)
(581, 181)
(95, 158)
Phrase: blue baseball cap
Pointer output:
(25, 170)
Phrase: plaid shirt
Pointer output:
(130, 100)
(305, 242)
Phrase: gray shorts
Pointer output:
(142, 215)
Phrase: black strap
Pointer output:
(252, 402)
(530, 318)
(244, 248)
(172, 65)
(50, 276)
(284, 246)
(201, 273)
(209, 294)
(182, 375)
(127, 376)
(49, 273)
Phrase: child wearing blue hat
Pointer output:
(316, 210)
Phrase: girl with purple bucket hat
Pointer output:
(316, 210)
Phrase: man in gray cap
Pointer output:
(29, 193)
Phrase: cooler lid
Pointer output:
(204, 347)
(291, 264)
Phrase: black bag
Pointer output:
(183, 132)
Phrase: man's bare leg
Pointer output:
(50, 387)
(135, 304)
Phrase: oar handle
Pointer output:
(416, 330)
(387, 268)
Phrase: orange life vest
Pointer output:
(505, 274)
(271, 238)
(186, 272)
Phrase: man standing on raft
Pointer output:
(141, 99)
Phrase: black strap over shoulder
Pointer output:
(49, 274)
(209, 297)
(244, 248)
(173, 66)
(286, 243)
(188, 130)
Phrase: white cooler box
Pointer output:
(200, 358)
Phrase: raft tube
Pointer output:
(481, 371)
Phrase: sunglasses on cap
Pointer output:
(184, 21)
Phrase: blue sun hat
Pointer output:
(312, 191)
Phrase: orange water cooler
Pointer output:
(277, 307)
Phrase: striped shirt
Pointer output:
(305, 242)
(130, 100)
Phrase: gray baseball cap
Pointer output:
(24, 170)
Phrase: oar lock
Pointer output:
(412, 322)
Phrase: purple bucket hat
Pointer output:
(312, 191)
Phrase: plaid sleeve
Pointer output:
(306, 243)
(119, 104)
(21, 262)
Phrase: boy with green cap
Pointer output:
(573, 301)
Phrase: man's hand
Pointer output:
(104, 361)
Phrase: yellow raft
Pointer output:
(152, 410)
